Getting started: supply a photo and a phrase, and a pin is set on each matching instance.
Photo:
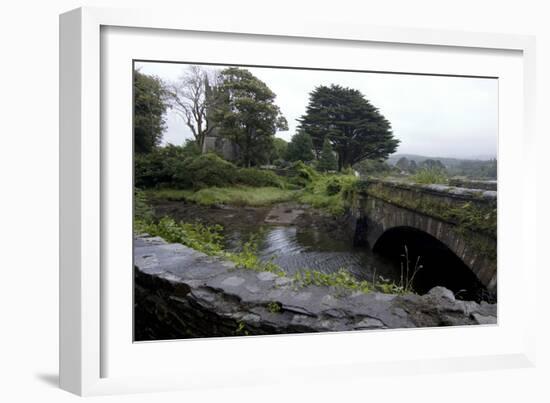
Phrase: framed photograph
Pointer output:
(236, 197)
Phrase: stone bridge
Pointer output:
(460, 219)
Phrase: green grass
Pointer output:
(322, 191)
(430, 176)
(236, 195)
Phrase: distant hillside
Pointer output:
(448, 162)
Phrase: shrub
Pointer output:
(258, 178)
(210, 170)
(301, 174)
(334, 185)
(164, 166)
(150, 170)
(142, 210)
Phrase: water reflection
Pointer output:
(294, 249)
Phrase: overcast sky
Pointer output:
(431, 115)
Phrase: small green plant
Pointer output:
(241, 329)
(407, 273)
(142, 210)
(341, 279)
(206, 239)
(274, 307)
(248, 258)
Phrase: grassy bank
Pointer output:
(322, 191)
(236, 195)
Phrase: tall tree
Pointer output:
(247, 115)
(403, 163)
(356, 129)
(150, 105)
(300, 148)
(327, 160)
(194, 97)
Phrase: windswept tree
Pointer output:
(194, 97)
(300, 148)
(150, 105)
(247, 115)
(355, 128)
(327, 160)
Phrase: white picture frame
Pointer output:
(86, 331)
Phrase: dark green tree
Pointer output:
(279, 150)
(356, 129)
(300, 148)
(327, 160)
(150, 105)
(247, 115)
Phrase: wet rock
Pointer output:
(442, 292)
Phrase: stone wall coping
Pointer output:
(438, 190)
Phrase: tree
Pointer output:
(150, 105)
(194, 97)
(247, 115)
(433, 165)
(327, 160)
(279, 149)
(300, 148)
(355, 128)
(374, 168)
(403, 164)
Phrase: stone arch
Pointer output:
(379, 216)
(432, 261)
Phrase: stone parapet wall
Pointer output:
(465, 220)
(441, 194)
(473, 184)
(182, 293)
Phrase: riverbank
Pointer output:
(291, 237)
(208, 296)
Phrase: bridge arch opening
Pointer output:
(435, 264)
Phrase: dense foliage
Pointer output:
(185, 168)
(150, 105)
(327, 159)
(164, 166)
(355, 128)
(247, 115)
(300, 148)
